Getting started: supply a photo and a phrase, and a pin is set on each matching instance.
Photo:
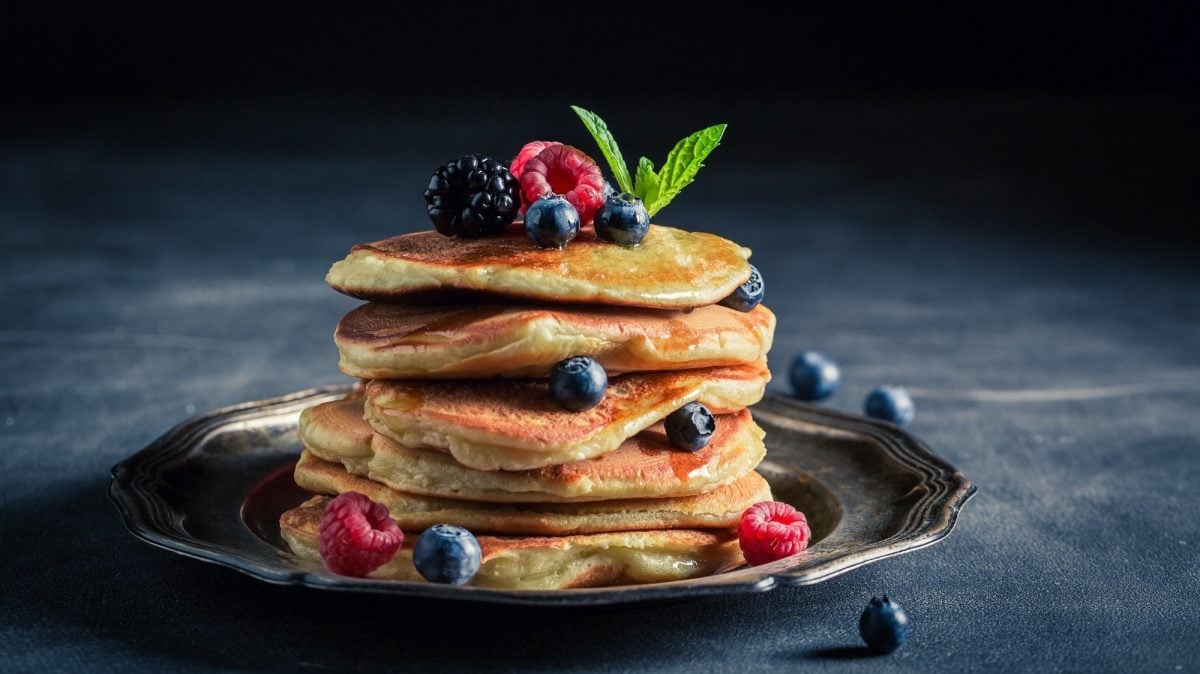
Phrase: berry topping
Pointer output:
(690, 427)
(578, 383)
(357, 536)
(748, 295)
(622, 220)
(551, 222)
(814, 376)
(472, 197)
(531, 150)
(447, 554)
(890, 403)
(883, 625)
(772, 530)
(565, 170)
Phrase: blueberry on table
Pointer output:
(883, 625)
(890, 403)
(622, 220)
(447, 554)
(578, 383)
(551, 222)
(814, 376)
(748, 295)
(690, 427)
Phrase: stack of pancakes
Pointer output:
(454, 422)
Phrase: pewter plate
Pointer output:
(213, 488)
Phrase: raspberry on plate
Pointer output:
(771, 530)
(357, 536)
(565, 170)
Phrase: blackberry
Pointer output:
(472, 197)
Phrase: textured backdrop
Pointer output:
(1019, 265)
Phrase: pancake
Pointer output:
(716, 509)
(644, 466)
(513, 424)
(404, 341)
(671, 269)
(552, 563)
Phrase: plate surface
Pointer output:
(213, 488)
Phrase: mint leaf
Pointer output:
(608, 145)
(645, 186)
(683, 163)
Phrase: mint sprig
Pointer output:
(646, 184)
(682, 165)
(655, 189)
(608, 145)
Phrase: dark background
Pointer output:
(615, 50)
(993, 207)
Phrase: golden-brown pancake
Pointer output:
(716, 509)
(553, 562)
(513, 424)
(671, 269)
(644, 466)
(405, 341)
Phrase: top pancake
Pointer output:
(671, 269)
(405, 341)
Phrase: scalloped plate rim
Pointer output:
(125, 494)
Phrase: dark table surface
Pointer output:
(1017, 264)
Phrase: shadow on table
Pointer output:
(74, 565)
(841, 653)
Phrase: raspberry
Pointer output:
(357, 536)
(565, 170)
(528, 152)
(772, 530)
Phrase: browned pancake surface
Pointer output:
(382, 340)
(524, 410)
(644, 466)
(670, 269)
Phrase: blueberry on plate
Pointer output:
(578, 383)
(690, 427)
(622, 219)
(551, 222)
(814, 376)
(447, 554)
(748, 295)
(883, 625)
(890, 403)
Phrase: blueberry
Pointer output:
(551, 222)
(748, 295)
(890, 403)
(622, 219)
(578, 383)
(690, 427)
(815, 376)
(447, 554)
(883, 625)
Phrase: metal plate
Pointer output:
(214, 486)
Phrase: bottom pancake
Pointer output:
(720, 508)
(552, 563)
